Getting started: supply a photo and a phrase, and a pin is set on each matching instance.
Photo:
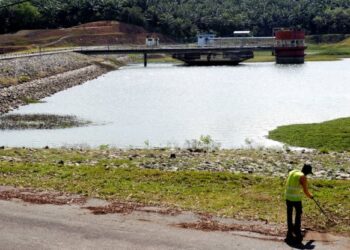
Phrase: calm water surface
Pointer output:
(168, 104)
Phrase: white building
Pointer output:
(152, 41)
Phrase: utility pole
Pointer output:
(145, 59)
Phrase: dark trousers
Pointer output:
(296, 228)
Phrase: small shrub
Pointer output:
(248, 142)
(104, 147)
(23, 78)
(324, 151)
(28, 100)
(205, 143)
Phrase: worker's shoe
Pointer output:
(289, 239)
(299, 239)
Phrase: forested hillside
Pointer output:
(182, 19)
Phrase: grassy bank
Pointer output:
(329, 135)
(341, 49)
(328, 51)
(97, 174)
(161, 58)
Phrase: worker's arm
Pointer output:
(303, 182)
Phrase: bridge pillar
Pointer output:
(145, 59)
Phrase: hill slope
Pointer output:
(95, 33)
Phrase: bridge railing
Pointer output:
(243, 42)
(135, 47)
(221, 42)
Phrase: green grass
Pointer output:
(332, 50)
(330, 135)
(262, 56)
(157, 59)
(239, 196)
(319, 58)
(28, 100)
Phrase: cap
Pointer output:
(307, 169)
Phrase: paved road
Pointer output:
(28, 226)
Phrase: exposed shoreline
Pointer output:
(62, 73)
(254, 161)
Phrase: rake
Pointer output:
(330, 221)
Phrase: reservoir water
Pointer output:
(165, 104)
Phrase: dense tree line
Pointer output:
(182, 19)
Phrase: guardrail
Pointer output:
(135, 47)
(217, 45)
(21, 54)
(244, 41)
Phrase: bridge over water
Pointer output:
(222, 50)
(220, 45)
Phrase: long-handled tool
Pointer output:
(330, 221)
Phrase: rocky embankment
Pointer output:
(51, 74)
(266, 162)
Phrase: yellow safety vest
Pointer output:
(293, 186)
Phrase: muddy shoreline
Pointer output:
(61, 72)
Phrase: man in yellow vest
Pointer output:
(296, 183)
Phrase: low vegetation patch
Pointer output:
(330, 135)
(27, 100)
(153, 58)
(7, 81)
(262, 56)
(39, 121)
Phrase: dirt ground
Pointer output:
(89, 34)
